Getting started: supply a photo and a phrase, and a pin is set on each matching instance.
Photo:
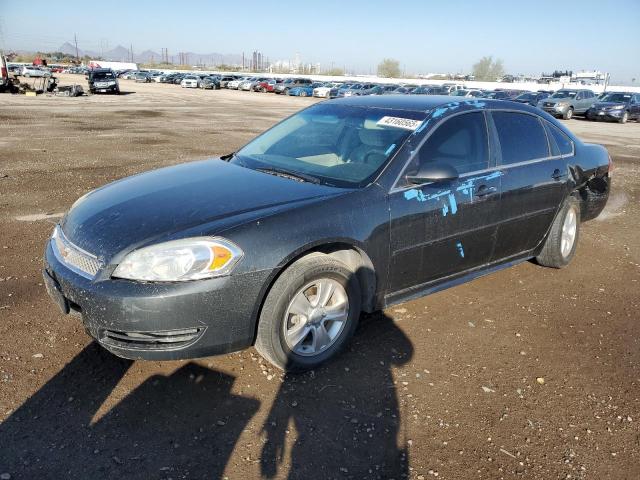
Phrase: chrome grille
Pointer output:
(77, 259)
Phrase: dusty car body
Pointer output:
(350, 205)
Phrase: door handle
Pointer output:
(557, 174)
(483, 191)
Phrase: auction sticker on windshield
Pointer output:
(398, 122)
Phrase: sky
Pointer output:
(424, 36)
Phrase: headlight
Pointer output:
(180, 260)
(561, 104)
(617, 107)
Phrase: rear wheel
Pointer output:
(560, 245)
(303, 93)
(310, 314)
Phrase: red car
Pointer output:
(266, 86)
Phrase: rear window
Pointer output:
(521, 137)
(560, 141)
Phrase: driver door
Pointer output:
(440, 229)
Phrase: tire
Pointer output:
(303, 93)
(568, 115)
(286, 91)
(264, 90)
(276, 316)
(624, 118)
(554, 253)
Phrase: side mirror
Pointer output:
(433, 172)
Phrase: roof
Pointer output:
(423, 103)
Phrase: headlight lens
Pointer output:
(180, 260)
(617, 107)
(561, 104)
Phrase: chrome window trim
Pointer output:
(396, 188)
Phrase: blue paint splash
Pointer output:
(421, 197)
(469, 184)
(390, 149)
(460, 249)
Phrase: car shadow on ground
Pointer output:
(346, 418)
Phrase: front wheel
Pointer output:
(568, 115)
(560, 245)
(624, 118)
(309, 315)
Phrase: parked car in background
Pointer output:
(103, 80)
(451, 87)
(500, 94)
(304, 90)
(142, 77)
(178, 78)
(568, 102)
(211, 82)
(404, 90)
(377, 89)
(190, 81)
(224, 81)
(265, 85)
(31, 71)
(531, 98)
(246, 85)
(365, 89)
(617, 106)
(272, 247)
(234, 84)
(4, 73)
(334, 92)
(289, 83)
(324, 90)
(428, 90)
(467, 93)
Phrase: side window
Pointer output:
(521, 137)
(564, 143)
(461, 142)
(579, 96)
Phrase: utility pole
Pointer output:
(75, 39)
(131, 51)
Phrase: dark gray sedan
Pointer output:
(348, 206)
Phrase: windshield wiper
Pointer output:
(299, 177)
(228, 156)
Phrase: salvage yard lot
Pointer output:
(527, 373)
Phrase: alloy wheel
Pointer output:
(316, 317)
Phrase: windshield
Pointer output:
(527, 96)
(340, 145)
(102, 75)
(616, 97)
(564, 94)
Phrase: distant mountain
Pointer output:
(67, 49)
(122, 54)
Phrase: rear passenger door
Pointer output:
(534, 180)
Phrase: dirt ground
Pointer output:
(527, 373)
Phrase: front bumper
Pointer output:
(160, 321)
(593, 114)
(556, 110)
(104, 89)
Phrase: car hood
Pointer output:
(192, 199)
